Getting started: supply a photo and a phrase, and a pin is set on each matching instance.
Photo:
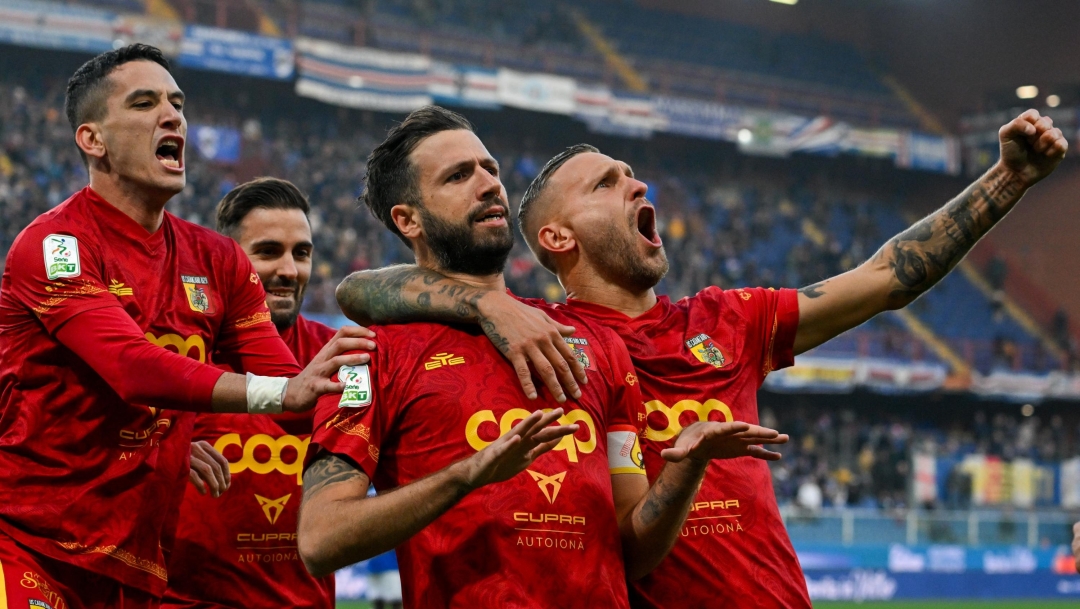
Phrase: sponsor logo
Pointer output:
(580, 348)
(117, 289)
(357, 391)
(858, 585)
(275, 462)
(183, 346)
(61, 256)
(548, 518)
(706, 351)
(572, 445)
(253, 278)
(719, 504)
(549, 485)
(272, 507)
(670, 417)
(631, 379)
(443, 359)
(197, 290)
(250, 537)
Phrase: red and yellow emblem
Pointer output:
(582, 353)
(707, 351)
(197, 290)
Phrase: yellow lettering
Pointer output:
(183, 346)
(673, 413)
(274, 463)
(570, 444)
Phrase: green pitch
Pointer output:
(1033, 604)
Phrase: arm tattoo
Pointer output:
(924, 253)
(327, 469)
(813, 291)
(658, 501)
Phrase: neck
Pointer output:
(590, 287)
(145, 208)
(496, 282)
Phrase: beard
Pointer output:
(619, 261)
(284, 319)
(459, 249)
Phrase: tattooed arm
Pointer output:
(650, 517)
(341, 525)
(523, 334)
(916, 259)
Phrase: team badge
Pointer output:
(580, 347)
(273, 508)
(61, 256)
(197, 290)
(357, 391)
(707, 351)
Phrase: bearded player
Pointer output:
(586, 219)
(240, 550)
(488, 504)
(109, 311)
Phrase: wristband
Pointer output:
(265, 394)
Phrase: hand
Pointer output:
(713, 440)
(1031, 147)
(304, 390)
(1076, 545)
(525, 335)
(516, 449)
(209, 468)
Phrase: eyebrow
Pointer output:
(136, 94)
(265, 242)
(465, 164)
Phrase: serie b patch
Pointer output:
(61, 256)
(707, 351)
(357, 391)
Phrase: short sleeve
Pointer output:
(771, 318)
(57, 274)
(626, 410)
(353, 423)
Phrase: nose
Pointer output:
(489, 185)
(287, 268)
(171, 118)
(638, 189)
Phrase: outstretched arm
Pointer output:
(650, 517)
(341, 525)
(916, 259)
(523, 334)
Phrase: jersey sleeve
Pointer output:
(249, 342)
(353, 424)
(626, 410)
(57, 274)
(771, 318)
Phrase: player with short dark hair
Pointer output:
(586, 218)
(239, 550)
(110, 309)
(487, 504)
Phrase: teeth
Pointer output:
(171, 163)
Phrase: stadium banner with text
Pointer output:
(362, 78)
(844, 375)
(622, 114)
(936, 153)
(218, 144)
(537, 92)
(1026, 387)
(165, 35)
(50, 25)
(220, 50)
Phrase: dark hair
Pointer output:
(265, 193)
(536, 191)
(89, 85)
(391, 176)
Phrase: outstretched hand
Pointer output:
(1031, 147)
(525, 335)
(306, 388)
(708, 440)
(515, 450)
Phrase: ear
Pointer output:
(556, 239)
(407, 220)
(88, 139)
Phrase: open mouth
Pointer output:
(494, 215)
(170, 152)
(646, 225)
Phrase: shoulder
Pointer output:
(736, 300)
(207, 239)
(321, 332)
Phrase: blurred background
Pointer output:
(935, 451)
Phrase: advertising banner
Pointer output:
(208, 48)
(56, 26)
(538, 92)
(843, 375)
(363, 78)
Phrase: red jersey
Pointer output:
(239, 550)
(87, 477)
(704, 358)
(434, 395)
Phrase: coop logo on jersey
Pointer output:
(61, 256)
(357, 391)
(707, 351)
(197, 290)
(580, 347)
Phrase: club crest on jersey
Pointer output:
(61, 256)
(580, 347)
(707, 351)
(197, 290)
(357, 391)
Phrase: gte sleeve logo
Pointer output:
(357, 391)
(61, 256)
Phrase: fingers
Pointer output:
(563, 361)
(335, 363)
(1051, 143)
(194, 478)
(555, 433)
(546, 372)
(758, 452)
(542, 448)
(223, 465)
(521, 368)
(1021, 126)
(675, 454)
(568, 356)
(526, 425)
(206, 475)
(354, 344)
(355, 332)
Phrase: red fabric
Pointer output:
(239, 550)
(439, 395)
(734, 549)
(27, 579)
(85, 477)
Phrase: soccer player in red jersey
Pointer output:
(487, 504)
(239, 550)
(586, 219)
(110, 310)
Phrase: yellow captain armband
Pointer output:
(624, 451)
